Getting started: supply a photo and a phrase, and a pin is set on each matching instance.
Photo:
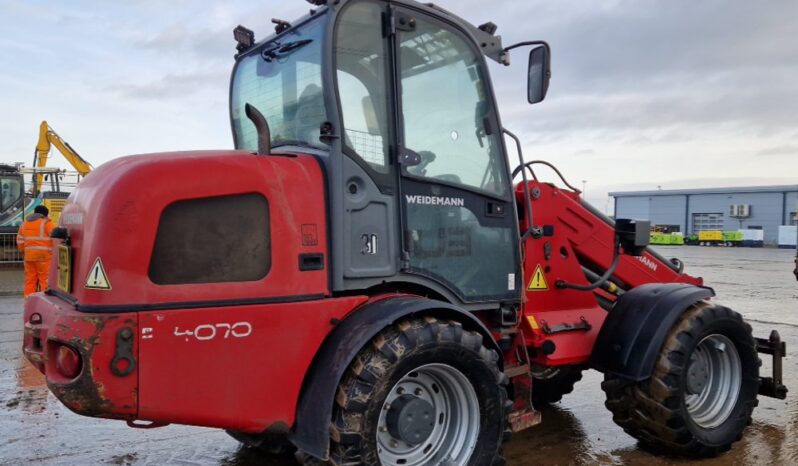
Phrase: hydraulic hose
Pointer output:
(527, 202)
(610, 286)
(528, 165)
(616, 258)
(673, 266)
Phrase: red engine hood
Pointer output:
(113, 216)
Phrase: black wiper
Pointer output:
(278, 50)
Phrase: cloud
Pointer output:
(209, 36)
(778, 150)
(699, 183)
(171, 86)
(641, 89)
(632, 44)
(664, 68)
(202, 43)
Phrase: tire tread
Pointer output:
(651, 410)
(360, 382)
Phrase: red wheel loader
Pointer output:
(361, 279)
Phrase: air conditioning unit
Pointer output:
(740, 210)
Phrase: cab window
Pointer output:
(360, 56)
(11, 192)
(282, 79)
(446, 110)
(212, 240)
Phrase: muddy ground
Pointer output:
(36, 429)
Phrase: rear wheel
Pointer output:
(703, 390)
(424, 392)
(551, 383)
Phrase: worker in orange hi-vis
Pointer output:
(33, 239)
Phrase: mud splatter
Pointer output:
(126, 459)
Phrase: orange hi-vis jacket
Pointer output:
(34, 239)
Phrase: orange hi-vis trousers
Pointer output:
(36, 274)
(33, 238)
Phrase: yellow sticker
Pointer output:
(64, 268)
(97, 279)
(532, 322)
(538, 282)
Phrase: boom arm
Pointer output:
(47, 139)
(562, 323)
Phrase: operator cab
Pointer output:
(11, 198)
(400, 110)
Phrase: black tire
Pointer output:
(655, 410)
(396, 353)
(270, 444)
(550, 384)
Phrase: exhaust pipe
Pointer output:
(262, 127)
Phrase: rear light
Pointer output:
(68, 361)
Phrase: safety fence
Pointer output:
(9, 254)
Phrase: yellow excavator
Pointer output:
(54, 200)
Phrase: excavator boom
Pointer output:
(47, 139)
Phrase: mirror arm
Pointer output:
(505, 56)
(525, 43)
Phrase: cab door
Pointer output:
(459, 222)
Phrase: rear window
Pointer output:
(212, 240)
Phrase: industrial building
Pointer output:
(692, 210)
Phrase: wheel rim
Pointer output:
(447, 396)
(714, 377)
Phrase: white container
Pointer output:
(788, 236)
(753, 235)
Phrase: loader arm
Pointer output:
(47, 139)
(561, 323)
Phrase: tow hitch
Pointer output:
(773, 386)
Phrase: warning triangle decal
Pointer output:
(97, 279)
(538, 282)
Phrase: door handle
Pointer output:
(495, 209)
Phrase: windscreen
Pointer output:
(282, 79)
(11, 191)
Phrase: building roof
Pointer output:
(729, 190)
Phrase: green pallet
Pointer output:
(666, 239)
(733, 236)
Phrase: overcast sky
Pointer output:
(644, 94)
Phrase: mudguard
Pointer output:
(311, 430)
(633, 334)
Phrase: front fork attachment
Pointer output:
(773, 386)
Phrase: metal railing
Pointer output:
(9, 254)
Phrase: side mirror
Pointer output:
(539, 74)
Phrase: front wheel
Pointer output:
(703, 390)
(424, 392)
